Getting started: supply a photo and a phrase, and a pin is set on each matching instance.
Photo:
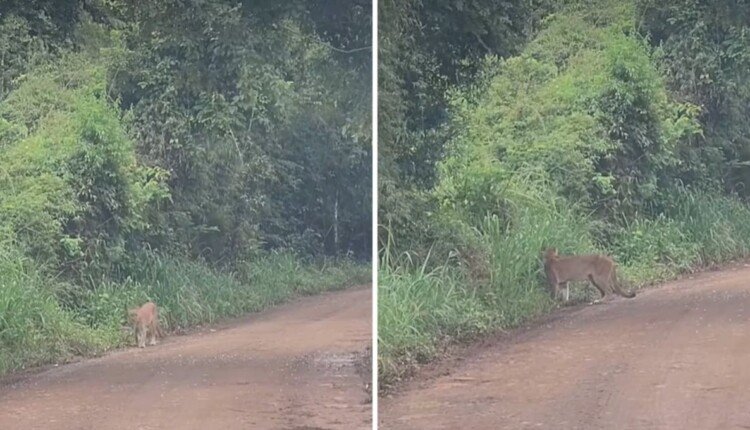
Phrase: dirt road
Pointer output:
(676, 357)
(287, 368)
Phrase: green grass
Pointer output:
(34, 328)
(42, 321)
(422, 311)
(189, 293)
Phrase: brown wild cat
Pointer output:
(145, 321)
(600, 270)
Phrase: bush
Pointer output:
(592, 118)
(71, 189)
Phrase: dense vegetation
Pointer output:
(213, 156)
(587, 125)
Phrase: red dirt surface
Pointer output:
(291, 367)
(676, 357)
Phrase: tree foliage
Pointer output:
(427, 48)
(612, 104)
(588, 115)
(703, 49)
(216, 130)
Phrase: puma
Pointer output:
(145, 321)
(600, 270)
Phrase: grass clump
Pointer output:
(34, 328)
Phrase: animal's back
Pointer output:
(577, 268)
(147, 313)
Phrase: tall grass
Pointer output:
(718, 225)
(190, 293)
(34, 328)
(422, 311)
(42, 321)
